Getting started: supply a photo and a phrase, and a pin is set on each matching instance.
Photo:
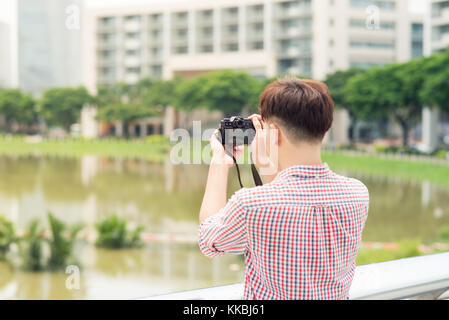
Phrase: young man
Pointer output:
(299, 232)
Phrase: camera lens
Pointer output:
(240, 123)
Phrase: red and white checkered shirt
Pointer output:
(299, 234)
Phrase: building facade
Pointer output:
(263, 37)
(440, 24)
(44, 45)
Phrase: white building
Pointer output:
(5, 56)
(263, 37)
(440, 24)
(42, 45)
(438, 32)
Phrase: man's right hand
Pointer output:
(258, 149)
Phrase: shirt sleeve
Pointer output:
(224, 231)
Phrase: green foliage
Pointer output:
(18, 107)
(126, 103)
(31, 248)
(113, 233)
(62, 106)
(7, 236)
(336, 83)
(61, 242)
(391, 90)
(444, 234)
(406, 249)
(161, 93)
(228, 91)
(435, 89)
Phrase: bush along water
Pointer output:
(61, 243)
(114, 233)
(7, 237)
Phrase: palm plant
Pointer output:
(32, 248)
(7, 236)
(113, 233)
(61, 242)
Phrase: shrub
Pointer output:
(31, 248)
(7, 236)
(61, 242)
(113, 233)
(444, 234)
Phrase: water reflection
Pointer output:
(166, 199)
(126, 274)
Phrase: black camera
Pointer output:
(237, 131)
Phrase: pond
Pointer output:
(166, 199)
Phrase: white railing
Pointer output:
(423, 277)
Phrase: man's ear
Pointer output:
(276, 134)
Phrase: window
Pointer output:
(132, 53)
(132, 35)
(365, 64)
(388, 5)
(181, 32)
(207, 31)
(181, 15)
(362, 24)
(132, 19)
(206, 14)
(181, 50)
(372, 45)
(258, 45)
(232, 47)
(233, 29)
(207, 49)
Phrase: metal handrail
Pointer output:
(423, 277)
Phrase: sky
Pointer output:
(6, 6)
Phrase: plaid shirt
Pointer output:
(299, 234)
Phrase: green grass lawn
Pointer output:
(153, 149)
(404, 169)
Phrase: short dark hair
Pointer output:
(304, 108)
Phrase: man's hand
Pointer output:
(219, 155)
(259, 152)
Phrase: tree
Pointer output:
(228, 91)
(336, 83)
(125, 103)
(435, 89)
(161, 93)
(18, 107)
(391, 90)
(62, 106)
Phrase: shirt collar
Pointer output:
(318, 171)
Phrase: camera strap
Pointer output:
(256, 176)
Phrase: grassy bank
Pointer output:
(153, 149)
(404, 169)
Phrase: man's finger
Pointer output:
(257, 123)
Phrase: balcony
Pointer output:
(107, 44)
(293, 12)
(293, 32)
(132, 43)
(442, 18)
(132, 26)
(105, 27)
(424, 277)
(132, 61)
